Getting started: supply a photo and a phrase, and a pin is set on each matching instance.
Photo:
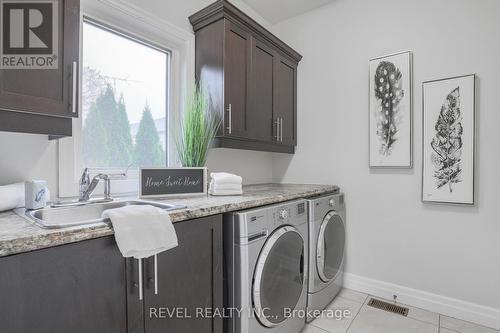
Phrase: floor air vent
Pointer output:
(389, 307)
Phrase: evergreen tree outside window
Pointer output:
(124, 101)
(148, 148)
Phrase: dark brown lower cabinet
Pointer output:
(190, 281)
(77, 288)
(88, 287)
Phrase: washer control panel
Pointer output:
(280, 216)
(254, 224)
(293, 213)
(283, 214)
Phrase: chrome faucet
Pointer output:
(84, 182)
(87, 186)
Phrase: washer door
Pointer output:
(330, 247)
(279, 276)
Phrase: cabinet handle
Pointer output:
(140, 279)
(156, 273)
(281, 129)
(74, 83)
(279, 126)
(277, 136)
(229, 118)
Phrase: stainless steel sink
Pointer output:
(89, 213)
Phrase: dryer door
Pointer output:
(330, 247)
(279, 276)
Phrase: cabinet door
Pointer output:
(48, 91)
(285, 89)
(237, 52)
(77, 288)
(260, 117)
(189, 277)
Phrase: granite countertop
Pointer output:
(19, 235)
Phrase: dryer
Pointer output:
(326, 250)
(266, 268)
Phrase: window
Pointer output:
(147, 63)
(124, 105)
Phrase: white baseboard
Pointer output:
(447, 306)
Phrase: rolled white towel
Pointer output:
(142, 231)
(224, 187)
(226, 192)
(11, 196)
(225, 178)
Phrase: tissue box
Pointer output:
(36, 194)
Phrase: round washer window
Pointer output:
(279, 276)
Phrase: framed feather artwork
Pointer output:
(390, 111)
(449, 132)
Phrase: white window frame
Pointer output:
(135, 22)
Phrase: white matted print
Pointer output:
(391, 111)
(449, 140)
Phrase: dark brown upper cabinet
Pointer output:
(236, 80)
(251, 77)
(285, 91)
(262, 80)
(43, 100)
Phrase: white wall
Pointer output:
(178, 11)
(392, 236)
(25, 156)
(255, 167)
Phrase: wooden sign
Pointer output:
(168, 182)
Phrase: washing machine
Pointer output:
(326, 250)
(266, 269)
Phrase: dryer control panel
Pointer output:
(320, 206)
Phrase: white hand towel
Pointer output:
(11, 196)
(225, 178)
(225, 188)
(142, 231)
(222, 187)
(226, 192)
